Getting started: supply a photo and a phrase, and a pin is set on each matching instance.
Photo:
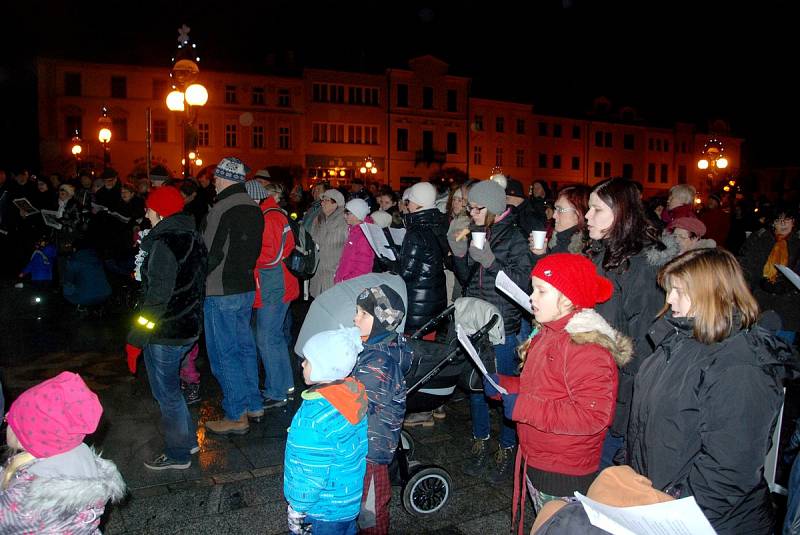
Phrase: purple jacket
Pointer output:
(357, 255)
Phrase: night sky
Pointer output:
(689, 61)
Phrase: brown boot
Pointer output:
(229, 427)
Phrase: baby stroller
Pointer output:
(432, 371)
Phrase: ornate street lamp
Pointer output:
(104, 136)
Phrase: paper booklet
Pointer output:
(120, 216)
(377, 240)
(398, 235)
(678, 517)
(25, 205)
(790, 274)
(50, 218)
(99, 207)
(503, 283)
(473, 354)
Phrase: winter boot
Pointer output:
(476, 464)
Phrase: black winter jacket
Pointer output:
(632, 309)
(422, 265)
(510, 248)
(528, 218)
(173, 283)
(702, 420)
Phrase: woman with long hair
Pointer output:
(569, 233)
(706, 402)
(621, 246)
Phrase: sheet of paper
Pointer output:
(790, 274)
(473, 354)
(679, 517)
(377, 240)
(503, 283)
(398, 235)
(99, 207)
(50, 218)
(25, 205)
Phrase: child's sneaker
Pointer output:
(275, 403)
(162, 462)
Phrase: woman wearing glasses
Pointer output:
(569, 234)
(476, 262)
(329, 231)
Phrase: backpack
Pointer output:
(302, 262)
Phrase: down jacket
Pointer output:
(567, 392)
(357, 255)
(422, 264)
(702, 420)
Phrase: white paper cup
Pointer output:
(479, 239)
(538, 237)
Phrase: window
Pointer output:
(500, 124)
(319, 133)
(119, 87)
(598, 169)
(319, 93)
(257, 96)
(576, 132)
(658, 145)
(498, 157)
(452, 100)
(542, 129)
(681, 174)
(402, 139)
(159, 89)
(683, 147)
(427, 140)
(650, 144)
(609, 140)
(231, 135)
(72, 84)
(284, 98)
(452, 143)
(520, 157)
(230, 94)
(74, 124)
(557, 130)
(119, 128)
(664, 173)
(606, 169)
(598, 139)
(372, 97)
(627, 171)
(284, 138)
(370, 135)
(478, 123)
(476, 155)
(203, 134)
(651, 172)
(257, 136)
(557, 161)
(402, 95)
(159, 131)
(576, 163)
(521, 126)
(427, 98)
(542, 160)
(666, 145)
(627, 141)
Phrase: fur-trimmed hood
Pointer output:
(660, 258)
(589, 327)
(576, 241)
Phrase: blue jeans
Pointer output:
(611, 445)
(507, 364)
(343, 527)
(232, 351)
(271, 335)
(163, 367)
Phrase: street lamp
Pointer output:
(104, 136)
(186, 95)
(368, 167)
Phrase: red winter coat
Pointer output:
(567, 393)
(357, 255)
(275, 223)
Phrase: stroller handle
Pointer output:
(483, 331)
(433, 321)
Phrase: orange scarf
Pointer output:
(778, 256)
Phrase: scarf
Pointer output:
(778, 256)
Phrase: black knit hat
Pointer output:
(385, 305)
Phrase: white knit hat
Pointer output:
(333, 354)
(358, 207)
(422, 194)
(381, 218)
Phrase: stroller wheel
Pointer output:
(408, 443)
(427, 491)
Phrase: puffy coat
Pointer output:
(422, 264)
(326, 448)
(40, 265)
(528, 217)
(567, 392)
(330, 234)
(276, 226)
(510, 248)
(357, 255)
(702, 420)
(633, 307)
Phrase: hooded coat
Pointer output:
(702, 420)
(357, 255)
(330, 234)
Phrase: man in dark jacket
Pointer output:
(422, 261)
(528, 219)
(233, 231)
(172, 268)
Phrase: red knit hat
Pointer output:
(576, 277)
(165, 201)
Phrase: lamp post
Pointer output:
(186, 95)
(76, 149)
(368, 168)
(713, 160)
(104, 136)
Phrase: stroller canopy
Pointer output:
(337, 306)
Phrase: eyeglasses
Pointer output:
(562, 210)
(476, 208)
(783, 221)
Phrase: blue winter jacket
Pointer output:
(85, 281)
(41, 264)
(325, 461)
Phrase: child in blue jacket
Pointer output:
(326, 450)
(40, 266)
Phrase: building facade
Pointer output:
(412, 123)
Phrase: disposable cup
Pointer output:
(538, 238)
(479, 239)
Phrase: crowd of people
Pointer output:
(660, 337)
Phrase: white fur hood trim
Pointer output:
(589, 327)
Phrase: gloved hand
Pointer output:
(457, 229)
(489, 390)
(484, 256)
(509, 400)
(133, 353)
(295, 521)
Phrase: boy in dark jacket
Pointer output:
(379, 311)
